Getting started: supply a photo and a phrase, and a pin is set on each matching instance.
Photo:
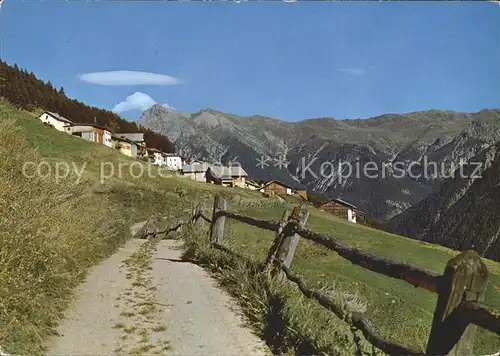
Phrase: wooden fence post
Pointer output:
(465, 279)
(217, 228)
(277, 240)
(289, 243)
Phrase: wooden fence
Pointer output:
(461, 288)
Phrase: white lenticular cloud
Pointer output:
(353, 71)
(126, 77)
(136, 101)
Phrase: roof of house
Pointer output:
(342, 202)
(123, 139)
(165, 154)
(251, 182)
(228, 172)
(58, 117)
(151, 149)
(136, 136)
(89, 125)
(279, 183)
(195, 167)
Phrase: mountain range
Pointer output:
(395, 160)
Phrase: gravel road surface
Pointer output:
(144, 300)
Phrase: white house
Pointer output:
(158, 157)
(55, 120)
(173, 161)
(108, 138)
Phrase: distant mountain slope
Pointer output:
(464, 213)
(436, 137)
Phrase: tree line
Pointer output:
(26, 91)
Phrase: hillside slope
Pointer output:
(464, 213)
(440, 137)
(55, 227)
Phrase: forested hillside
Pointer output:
(26, 91)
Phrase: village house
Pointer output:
(55, 120)
(124, 146)
(173, 161)
(227, 176)
(196, 171)
(138, 139)
(156, 156)
(277, 188)
(341, 209)
(91, 132)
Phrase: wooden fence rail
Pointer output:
(355, 320)
(461, 289)
(412, 274)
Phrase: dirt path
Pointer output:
(145, 301)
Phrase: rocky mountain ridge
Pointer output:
(464, 213)
(411, 152)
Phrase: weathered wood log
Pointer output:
(481, 316)
(290, 240)
(356, 320)
(217, 228)
(412, 274)
(277, 240)
(465, 280)
(263, 224)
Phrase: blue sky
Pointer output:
(291, 61)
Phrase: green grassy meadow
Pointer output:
(398, 310)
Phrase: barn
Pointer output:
(341, 209)
(277, 187)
